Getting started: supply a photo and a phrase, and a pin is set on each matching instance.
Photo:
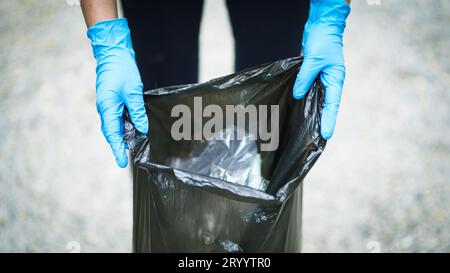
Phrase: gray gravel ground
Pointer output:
(381, 185)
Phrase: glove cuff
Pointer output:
(109, 34)
(330, 12)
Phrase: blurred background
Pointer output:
(382, 184)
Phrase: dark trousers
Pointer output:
(165, 35)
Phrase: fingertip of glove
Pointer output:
(326, 132)
(326, 135)
(297, 95)
(298, 91)
(120, 155)
(328, 121)
(122, 161)
(142, 127)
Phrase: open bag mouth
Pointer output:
(283, 168)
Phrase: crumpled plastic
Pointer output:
(226, 158)
(222, 194)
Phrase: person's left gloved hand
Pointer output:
(323, 53)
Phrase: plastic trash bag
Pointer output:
(220, 193)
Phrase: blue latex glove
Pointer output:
(322, 52)
(118, 83)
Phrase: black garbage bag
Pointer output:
(229, 187)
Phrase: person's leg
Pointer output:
(165, 39)
(266, 30)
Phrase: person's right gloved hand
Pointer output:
(323, 55)
(118, 83)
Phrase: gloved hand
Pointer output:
(118, 83)
(322, 52)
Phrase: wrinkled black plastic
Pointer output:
(183, 211)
